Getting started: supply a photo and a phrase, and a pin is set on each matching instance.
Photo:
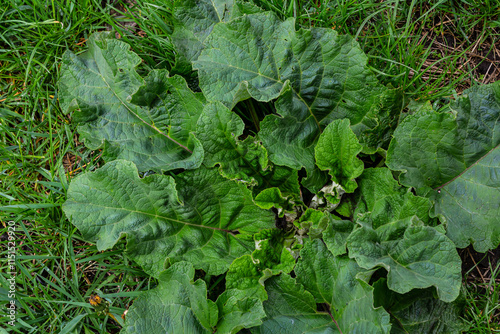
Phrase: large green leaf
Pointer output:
(415, 256)
(455, 158)
(291, 309)
(238, 313)
(419, 311)
(177, 305)
(200, 217)
(375, 184)
(336, 151)
(98, 86)
(329, 281)
(392, 235)
(332, 280)
(195, 20)
(318, 76)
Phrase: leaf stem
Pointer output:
(335, 321)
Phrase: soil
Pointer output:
(478, 266)
(477, 54)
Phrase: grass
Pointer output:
(431, 50)
(57, 270)
(482, 294)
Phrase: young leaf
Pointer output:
(336, 234)
(337, 151)
(247, 274)
(97, 87)
(380, 194)
(316, 179)
(314, 221)
(195, 218)
(323, 224)
(271, 197)
(458, 156)
(317, 75)
(415, 256)
(283, 178)
(177, 305)
(218, 129)
(245, 160)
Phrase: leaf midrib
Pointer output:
(258, 74)
(154, 216)
(137, 115)
(467, 169)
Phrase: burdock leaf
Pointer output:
(316, 75)
(346, 302)
(147, 121)
(415, 256)
(454, 158)
(199, 217)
